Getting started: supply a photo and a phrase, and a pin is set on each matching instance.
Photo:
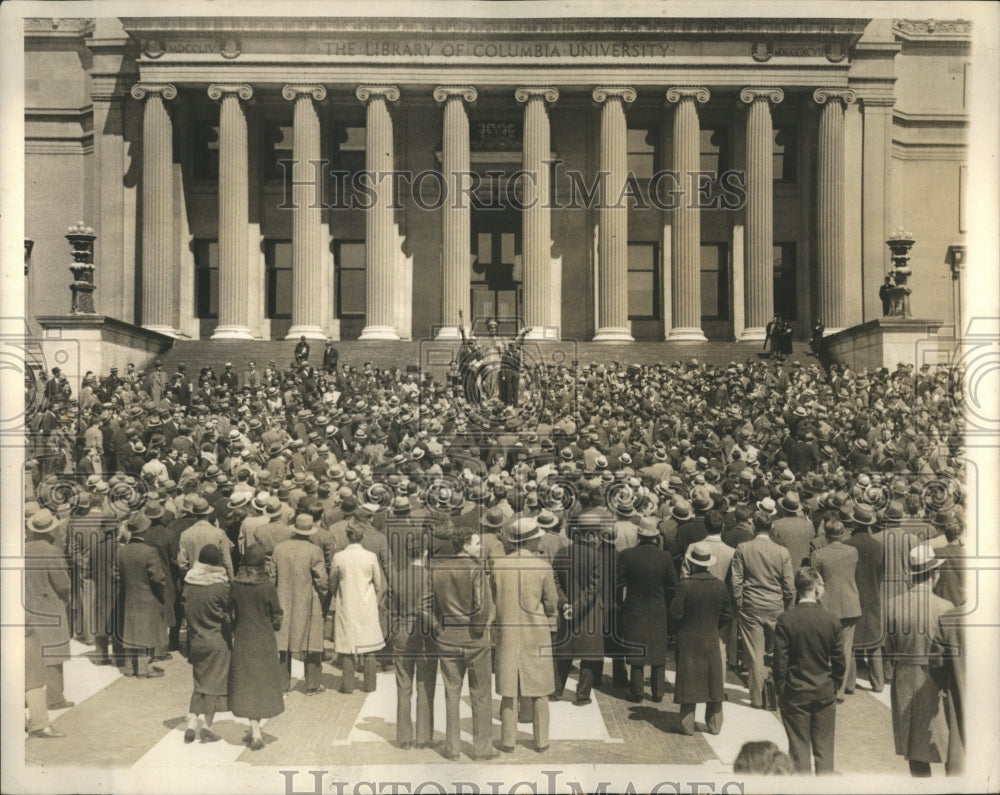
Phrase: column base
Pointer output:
(689, 334)
(379, 333)
(309, 332)
(168, 331)
(612, 334)
(543, 333)
(757, 334)
(232, 333)
(448, 333)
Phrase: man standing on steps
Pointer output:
(302, 351)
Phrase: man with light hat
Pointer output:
(526, 600)
(202, 532)
(793, 530)
(918, 722)
(47, 594)
(699, 610)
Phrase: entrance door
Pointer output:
(496, 269)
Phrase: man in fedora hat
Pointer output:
(793, 530)
(526, 599)
(763, 587)
(47, 594)
(646, 572)
(301, 582)
(837, 563)
(700, 610)
(918, 722)
(809, 667)
(202, 532)
(358, 583)
(144, 583)
(463, 607)
(159, 537)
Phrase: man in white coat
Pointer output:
(358, 587)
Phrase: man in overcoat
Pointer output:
(762, 588)
(837, 564)
(144, 625)
(700, 609)
(577, 570)
(918, 720)
(47, 591)
(809, 666)
(868, 633)
(358, 586)
(301, 585)
(463, 606)
(526, 599)
(647, 574)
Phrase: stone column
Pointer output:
(536, 245)
(380, 232)
(759, 279)
(456, 215)
(310, 301)
(685, 235)
(159, 296)
(235, 268)
(831, 272)
(612, 245)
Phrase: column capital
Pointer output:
(294, 92)
(699, 94)
(626, 94)
(845, 95)
(165, 90)
(218, 90)
(771, 94)
(549, 94)
(367, 93)
(467, 94)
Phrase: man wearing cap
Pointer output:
(646, 572)
(918, 721)
(526, 599)
(47, 592)
(809, 666)
(358, 583)
(463, 607)
(144, 582)
(763, 587)
(301, 583)
(700, 610)
(837, 564)
(793, 530)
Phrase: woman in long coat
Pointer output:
(255, 677)
(206, 607)
(577, 569)
(699, 608)
(647, 574)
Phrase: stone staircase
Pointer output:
(435, 356)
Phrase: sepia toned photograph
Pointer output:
(500, 397)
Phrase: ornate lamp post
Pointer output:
(899, 296)
(81, 242)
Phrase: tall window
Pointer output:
(349, 256)
(641, 152)
(643, 281)
(206, 277)
(714, 281)
(784, 154)
(277, 147)
(278, 257)
(785, 303)
(350, 157)
(206, 151)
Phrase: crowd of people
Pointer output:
(787, 522)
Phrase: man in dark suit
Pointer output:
(412, 645)
(762, 588)
(837, 563)
(868, 631)
(951, 582)
(809, 666)
(462, 608)
(302, 351)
